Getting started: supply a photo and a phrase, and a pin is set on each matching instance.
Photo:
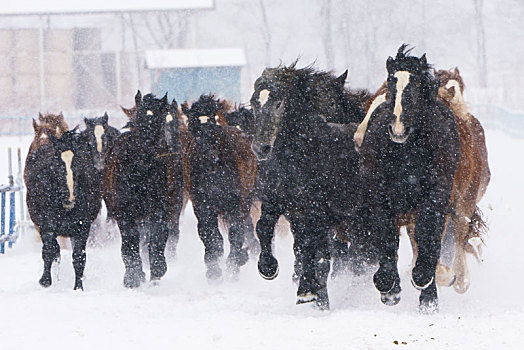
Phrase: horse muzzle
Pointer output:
(262, 150)
(399, 135)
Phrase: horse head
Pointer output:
(203, 123)
(410, 87)
(172, 125)
(99, 136)
(149, 121)
(69, 155)
(452, 86)
(241, 118)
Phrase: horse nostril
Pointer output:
(265, 149)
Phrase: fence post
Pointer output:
(2, 223)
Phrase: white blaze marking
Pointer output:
(99, 131)
(361, 130)
(203, 119)
(169, 118)
(457, 98)
(57, 130)
(216, 117)
(263, 97)
(238, 127)
(402, 82)
(43, 136)
(149, 112)
(67, 158)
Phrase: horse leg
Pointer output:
(130, 250)
(212, 239)
(445, 274)
(387, 279)
(157, 245)
(50, 253)
(460, 267)
(238, 256)
(340, 255)
(173, 227)
(430, 224)
(314, 256)
(267, 264)
(79, 242)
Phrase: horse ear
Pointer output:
(457, 71)
(185, 110)
(389, 64)
(138, 98)
(35, 125)
(61, 115)
(164, 99)
(40, 117)
(342, 78)
(105, 118)
(174, 104)
(127, 112)
(424, 60)
(86, 121)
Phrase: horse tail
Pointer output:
(477, 231)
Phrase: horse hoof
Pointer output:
(214, 272)
(390, 299)
(268, 267)
(45, 281)
(239, 258)
(461, 287)
(79, 286)
(322, 303)
(429, 307)
(307, 297)
(392, 296)
(134, 279)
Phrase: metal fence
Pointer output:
(8, 205)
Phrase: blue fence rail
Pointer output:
(9, 190)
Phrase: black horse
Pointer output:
(310, 168)
(143, 184)
(243, 119)
(222, 171)
(408, 161)
(100, 137)
(63, 198)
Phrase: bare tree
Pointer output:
(327, 35)
(481, 44)
(266, 32)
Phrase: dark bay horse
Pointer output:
(62, 197)
(221, 170)
(143, 184)
(243, 119)
(408, 162)
(100, 137)
(471, 179)
(311, 168)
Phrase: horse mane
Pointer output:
(314, 100)
(417, 65)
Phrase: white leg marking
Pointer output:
(99, 131)
(263, 97)
(361, 130)
(402, 82)
(67, 158)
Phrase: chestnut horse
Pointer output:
(408, 162)
(220, 175)
(471, 179)
(62, 197)
(143, 184)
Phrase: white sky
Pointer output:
(23, 7)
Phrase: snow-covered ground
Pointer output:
(186, 312)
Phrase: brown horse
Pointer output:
(220, 172)
(471, 179)
(62, 197)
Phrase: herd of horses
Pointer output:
(346, 168)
